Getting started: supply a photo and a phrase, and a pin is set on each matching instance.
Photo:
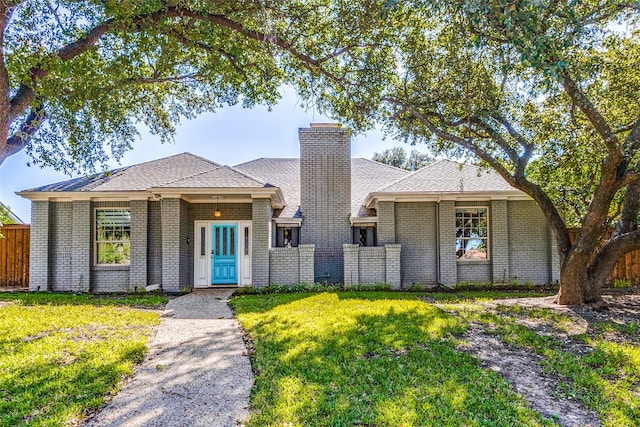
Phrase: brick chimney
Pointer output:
(325, 194)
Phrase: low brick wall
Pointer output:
(290, 266)
(372, 265)
(284, 266)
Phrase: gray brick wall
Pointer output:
(351, 264)
(393, 276)
(110, 279)
(415, 231)
(474, 271)
(154, 244)
(328, 265)
(186, 246)
(306, 263)
(555, 260)
(170, 244)
(261, 241)
(139, 227)
(39, 247)
(61, 247)
(529, 246)
(81, 260)
(386, 223)
(325, 187)
(499, 241)
(284, 266)
(372, 265)
(447, 232)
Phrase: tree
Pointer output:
(397, 156)
(5, 218)
(543, 92)
(80, 76)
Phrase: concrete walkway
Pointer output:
(195, 373)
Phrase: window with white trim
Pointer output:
(472, 233)
(113, 237)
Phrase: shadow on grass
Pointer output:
(67, 298)
(60, 390)
(365, 359)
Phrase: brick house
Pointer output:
(185, 221)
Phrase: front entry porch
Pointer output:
(222, 253)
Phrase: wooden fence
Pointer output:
(14, 255)
(627, 268)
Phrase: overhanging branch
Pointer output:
(30, 126)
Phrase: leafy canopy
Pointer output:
(84, 76)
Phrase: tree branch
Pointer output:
(582, 102)
(606, 258)
(519, 181)
(630, 207)
(26, 92)
(21, 138)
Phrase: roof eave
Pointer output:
(432, 196)
(84, 195)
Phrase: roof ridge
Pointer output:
(382, 164)
(265, 158)
(416, 172)
(246, 175)
(198, 157)
(187, 176)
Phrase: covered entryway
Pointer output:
(223, 253)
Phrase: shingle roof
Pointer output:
(221, 177)
(137, 177)
(279, 172)
(446, 176)
(366, 176)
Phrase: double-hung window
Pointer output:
(113, 237)
(472, 233)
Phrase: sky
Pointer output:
(230, 136)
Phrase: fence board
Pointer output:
(626, 268)
(14, 255)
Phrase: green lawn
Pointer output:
(61, 354)
(389, 359)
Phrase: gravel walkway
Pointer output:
(195, 373)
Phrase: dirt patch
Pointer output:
(616, 320)
(522, 369)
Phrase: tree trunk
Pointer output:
(577, 285)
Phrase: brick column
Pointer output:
(350, 264)
(386, 223)
(138, 268)
(39, 246)
(305, 263)
(261, 240)
(392, 265)
(499, 250)
(170, 219)
(447, 248)
(81, 246)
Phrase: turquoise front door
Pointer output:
(224, 248)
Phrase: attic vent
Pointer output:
(325, 125)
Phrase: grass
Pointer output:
(388, 358)
(606, 378)
(358, 358)
(61, 354)
(52, 298)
